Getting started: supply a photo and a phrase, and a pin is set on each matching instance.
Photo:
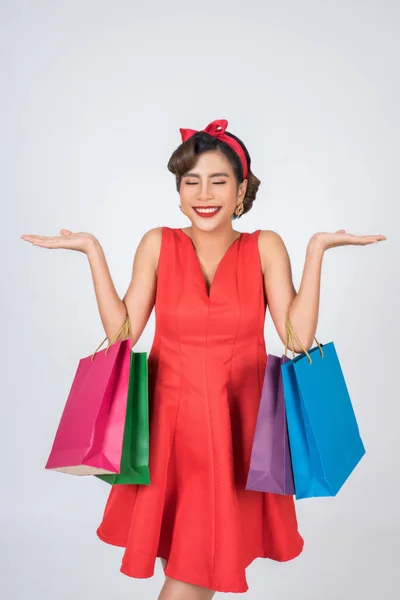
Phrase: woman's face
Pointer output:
(209, 192)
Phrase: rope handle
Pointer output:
(289, 339)
(124, 332)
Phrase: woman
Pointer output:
(210, 286)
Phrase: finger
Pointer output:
(47, 244)
(366, 240)
(33, 239)
(362, 239)
(374, 238)
(65, 232)
(36, 238)
(29, 237)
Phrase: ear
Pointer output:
(242, 189)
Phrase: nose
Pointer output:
(205, 191)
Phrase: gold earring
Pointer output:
(239, 209)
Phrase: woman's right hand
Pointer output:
(81, 241)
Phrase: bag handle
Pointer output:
(289, 339)
(124, 332)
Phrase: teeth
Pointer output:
(206, 210)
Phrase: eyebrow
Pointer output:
(212, 175)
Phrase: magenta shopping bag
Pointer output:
(270, 464)
(91, 430)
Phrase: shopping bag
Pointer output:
(324, 437)
(270, 464)
(134, 465)
(82, 445)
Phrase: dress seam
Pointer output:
(213, 450)
(175, 422)
(180, 359)
(160, 360)
(262, 324)
(238, 523)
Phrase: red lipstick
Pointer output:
(206, 211)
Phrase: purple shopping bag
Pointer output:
(270, 464)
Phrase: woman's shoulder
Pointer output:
(268, 237)
(271, 247)
(150, 242)
(151, 237)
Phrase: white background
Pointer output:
(93, 95)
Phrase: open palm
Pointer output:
(68, 240)
(342, 238)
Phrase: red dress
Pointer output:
(206, 369)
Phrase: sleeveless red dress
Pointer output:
(206, 369)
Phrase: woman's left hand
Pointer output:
(327, 240)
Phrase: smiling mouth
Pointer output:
(206, 211)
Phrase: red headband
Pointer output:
(217, 129)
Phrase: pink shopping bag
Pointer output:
(89, 437)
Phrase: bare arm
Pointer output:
(139, 299)
(141, 294)
(111, 307)
(302, 307)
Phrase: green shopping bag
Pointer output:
(135, 447)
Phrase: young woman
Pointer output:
(210, 286)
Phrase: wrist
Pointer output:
(315, 245)
(93, 247)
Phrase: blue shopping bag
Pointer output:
(324, 438)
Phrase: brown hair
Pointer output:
(185, 157)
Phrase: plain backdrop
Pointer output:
(93, 95)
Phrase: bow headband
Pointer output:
(217, 129)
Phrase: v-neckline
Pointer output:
(207, 287)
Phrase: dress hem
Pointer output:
(193, 581)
